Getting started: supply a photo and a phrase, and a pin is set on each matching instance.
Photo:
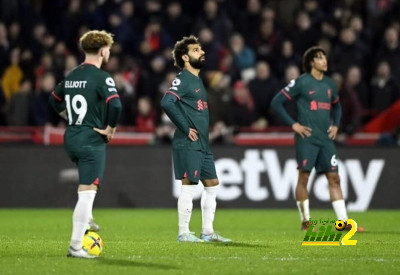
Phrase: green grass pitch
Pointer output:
(143, 241)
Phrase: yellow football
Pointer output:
(93, 243)
(340, 225)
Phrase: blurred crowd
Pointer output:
(253, 49)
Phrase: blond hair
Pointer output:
(92, 41)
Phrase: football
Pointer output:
(93, 243)
(340, 225)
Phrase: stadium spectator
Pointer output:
(304, 34)
(389, 50)
(45, 66)
(152, 77)
(314, 10)
(243, 110)
(4, 47)
(291, 72)
(164, 86)
(128, 99)
(175, 21)
(18, 111)
(219, 97)
(349, 52)
(285, 57)
(213, 17)
(384, 88)
(36, 41)
(126, 27)
(212, 48)
(42, 113)
(249, 21)
(243, 56)
(13, 75)
(351, 94)
(286, 11)
(363, 34)
(3, 110)
(262, 89)
(329, 30)
(146, 115)
(67, 26)
(164, 130)
(151, 9)
(154, 39)
(70, 63)
(28, 66)
(266, 40)
(113, 65)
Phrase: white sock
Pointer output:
(185, 206)
(340, 210)
(208, 204)
(304, 210)
(80, 217)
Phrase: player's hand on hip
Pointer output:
(332, 132)
(193, 135)
(108, 133)
(303, 131)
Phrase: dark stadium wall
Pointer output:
(40, 176)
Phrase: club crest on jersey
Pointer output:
(313, 105)
(329, 92)
(201, 105)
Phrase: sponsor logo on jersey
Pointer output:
(315, 105)
(311, 92)
(324, 106)
(197, 90)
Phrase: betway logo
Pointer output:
(244, 178)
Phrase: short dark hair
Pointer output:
(181, 48)
(309, 56)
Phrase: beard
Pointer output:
(197, 63)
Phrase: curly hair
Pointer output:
(92, 41)
(181, 48)
(309, 55)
